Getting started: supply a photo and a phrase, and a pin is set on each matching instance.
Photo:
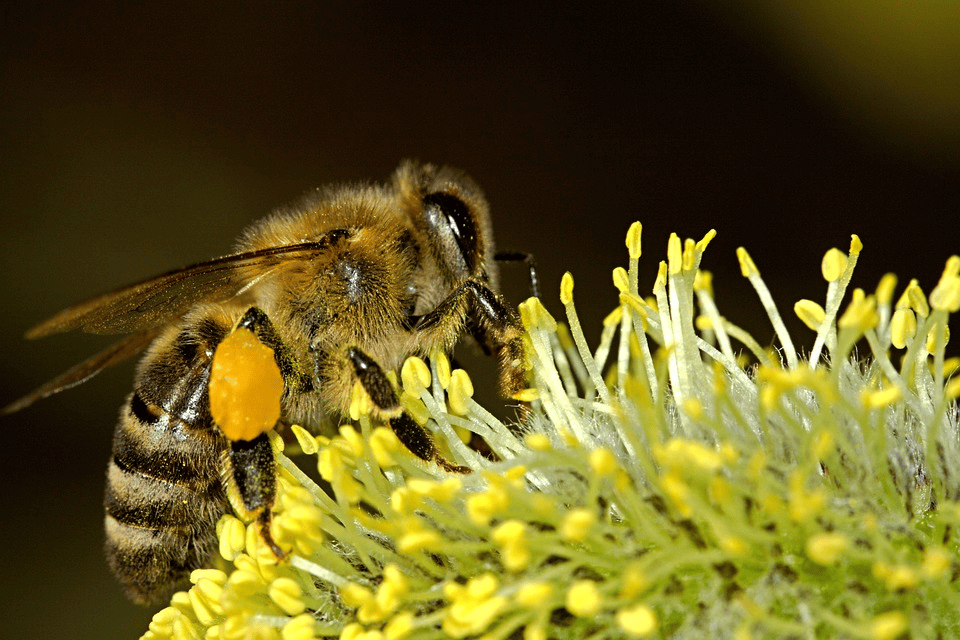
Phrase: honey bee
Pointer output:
(343, 286)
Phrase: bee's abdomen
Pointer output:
(163, 500)
(164, 493)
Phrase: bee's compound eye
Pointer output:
(451, 220)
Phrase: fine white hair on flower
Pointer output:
(673, 478)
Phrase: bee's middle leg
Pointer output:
(414, 437)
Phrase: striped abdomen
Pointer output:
(164, 493)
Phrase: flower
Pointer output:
(660, 484)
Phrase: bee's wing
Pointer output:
(129, 346)
(157, 301)
(144, 308)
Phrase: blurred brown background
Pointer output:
(138, 140)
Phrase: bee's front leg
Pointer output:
(494, 326)
(414, 437)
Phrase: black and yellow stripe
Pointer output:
(164, 490)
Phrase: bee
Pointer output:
(343, 286)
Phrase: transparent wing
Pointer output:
(157, 301)
(129, 346)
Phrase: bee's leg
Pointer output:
(258, 322)
(253, 467)
(414, 437)
(495, 327)
(528, 260)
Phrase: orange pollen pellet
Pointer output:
(245, 386)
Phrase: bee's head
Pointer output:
(452, 218)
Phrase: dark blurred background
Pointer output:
(136, 140)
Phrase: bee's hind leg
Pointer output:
(251, 464)
(258, 322)
(253, 473)
(414, 437)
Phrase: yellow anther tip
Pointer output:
(747, 267)
(952, 389)
(689, 254)
(620, 280)
(888, 625)
(534, 314)
(353, 439)
(602, 461)
(918, 300)
(584, 599)
(811, 313)
(826, 548)
(354, 595)
(638, 621)
(415, 375)
(287, 595)
(661, 281)
(855, 245)
(952, 268)
(527, 395)
(461, 390)
(878, 399)
(533, 594)
(903, 326)
(576, 525)
(443, 368)
(509, 531)
(633, 240)
(674, 254)
(833, 264)
(705, 240)
(566, 288)
(360, 403)
(232, 535)
(308, 443)
(933, 338)
(703, 282)
(861, 313)
(703, 323)
(538, 442)
(888, 283)
(946, 295)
